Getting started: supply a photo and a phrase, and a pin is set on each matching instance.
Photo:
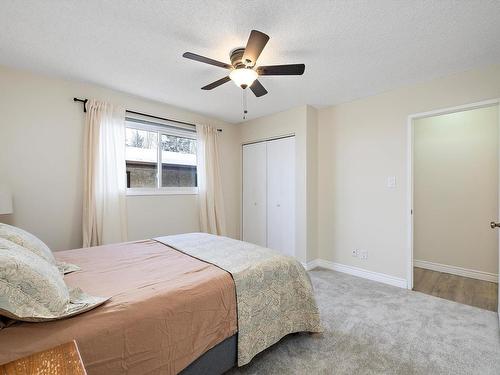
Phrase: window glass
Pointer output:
(141, 154)
(160, 159)
(178, 161)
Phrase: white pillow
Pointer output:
(34, 244)
(32, 289)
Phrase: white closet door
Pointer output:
(254, 194)
(281, 195)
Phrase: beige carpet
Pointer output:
(372, 328)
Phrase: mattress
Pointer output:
(167, 309)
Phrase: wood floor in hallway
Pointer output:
(482, 294)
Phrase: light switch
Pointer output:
(391, 182)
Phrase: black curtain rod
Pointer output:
(84, 101)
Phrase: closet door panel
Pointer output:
(281, 195)
(254, 220)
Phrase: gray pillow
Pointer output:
(34, 244)
(32, 289)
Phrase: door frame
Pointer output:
(410, 168)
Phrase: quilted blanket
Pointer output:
(274, 293)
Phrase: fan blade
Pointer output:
(206, 60)
(217, 83)
(281, 70)
(256, 43)
(258, 89)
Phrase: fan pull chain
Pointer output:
(244, 103)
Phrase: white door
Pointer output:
(281, 195)
(254, 219)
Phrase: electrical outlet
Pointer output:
(363, 254)
(355, 253)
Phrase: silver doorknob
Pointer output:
(494, 225)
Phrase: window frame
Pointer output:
(160, 129)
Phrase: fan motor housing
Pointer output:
(236, 56)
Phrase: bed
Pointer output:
(170, 310)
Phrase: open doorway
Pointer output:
(455, 195)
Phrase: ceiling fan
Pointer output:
(243, 70)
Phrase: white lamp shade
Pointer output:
(5, 201)
(243, 76)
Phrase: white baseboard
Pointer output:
(356, 271)
(311, 264)
(454, 270)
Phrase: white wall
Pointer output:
(41, 132)
(357, 146)
(455, 166)
(363, 142)
(300, 121)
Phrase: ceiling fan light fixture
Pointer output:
(243, 77)
(243, 70)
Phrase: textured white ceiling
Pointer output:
(351, 49)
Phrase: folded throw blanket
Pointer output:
(274, 293)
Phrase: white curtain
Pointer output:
(104, 190)
(210, 199)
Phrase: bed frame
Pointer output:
(217, 360)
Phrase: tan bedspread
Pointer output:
(167, 309)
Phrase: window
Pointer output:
(141, 154)
(178, 161)
(160, 158)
